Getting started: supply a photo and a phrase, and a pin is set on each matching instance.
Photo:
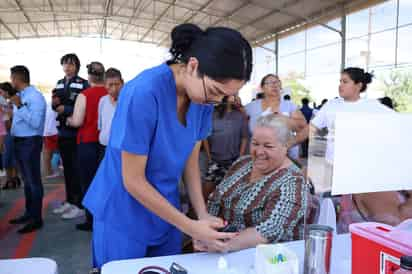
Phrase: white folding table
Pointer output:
(238, 262)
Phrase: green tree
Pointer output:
(398, 86)
(299, 91)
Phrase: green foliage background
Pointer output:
(398, 86)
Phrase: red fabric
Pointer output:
(50, 142)
(88, 132)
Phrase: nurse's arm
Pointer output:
(135, 182)
(191, 176)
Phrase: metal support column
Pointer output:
(397, 34)
(343, 37)
(277, 54)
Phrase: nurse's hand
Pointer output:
(222, 246)
(206, 230)
(217, 220)
(199, 246)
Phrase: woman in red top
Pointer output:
(85, 116)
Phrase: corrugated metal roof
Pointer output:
(151, 21)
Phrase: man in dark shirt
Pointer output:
(63, 100)
(307, 112)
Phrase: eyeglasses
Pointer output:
(208, 101)
(268, 83)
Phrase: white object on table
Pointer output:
(264, 260)
(240, 262)
(327, 214)
(222, 263)
(28, 266)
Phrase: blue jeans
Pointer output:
(9, 159)
(27, 152)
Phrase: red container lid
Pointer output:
(386, 235)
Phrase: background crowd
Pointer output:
(252, 162)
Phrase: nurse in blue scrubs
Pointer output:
(161, 117)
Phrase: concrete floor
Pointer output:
(57, 240)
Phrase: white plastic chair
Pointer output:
(28, 266)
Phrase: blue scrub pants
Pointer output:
(110, 244)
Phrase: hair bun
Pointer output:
(367, 77)
(182, 38)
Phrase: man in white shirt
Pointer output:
(50, 141)
(107, 106)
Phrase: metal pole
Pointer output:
(397, 34)
(368, 53)
(305, 71)
(343, 36)
(277, 54)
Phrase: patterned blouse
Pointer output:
(275, 204)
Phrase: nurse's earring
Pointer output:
(192, 67)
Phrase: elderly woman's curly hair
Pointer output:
(279, 124)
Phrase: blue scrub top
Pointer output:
(146, 123)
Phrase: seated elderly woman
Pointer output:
(264, 196)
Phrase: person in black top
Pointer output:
(387, 101)
(307, 112)
(63, 99)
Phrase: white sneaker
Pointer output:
(74, 212)
(62, 208)
(52, 176)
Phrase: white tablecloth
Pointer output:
(241, 262)
(28, 266)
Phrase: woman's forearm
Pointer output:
(248, 238)
(406, 209)
(385, 207)
(301, 135)
(79, 112)
(299, 125)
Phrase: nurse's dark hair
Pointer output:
(359, 75)
(223, 53)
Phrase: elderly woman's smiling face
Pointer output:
(268, 153)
